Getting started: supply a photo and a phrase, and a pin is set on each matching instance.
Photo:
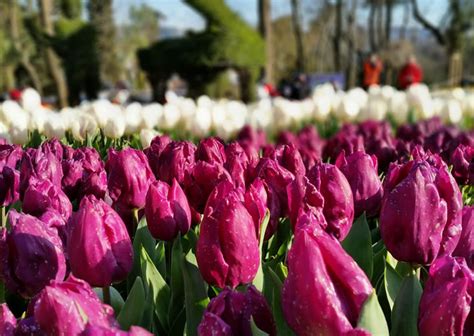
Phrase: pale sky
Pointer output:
(180, 16)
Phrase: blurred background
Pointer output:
(73, 50)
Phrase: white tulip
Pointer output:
(151, 115)
(171, 116)
(101, 110)
(348, 109)
(18, 135)
(115, 127)
(54, 126)
(82, 126)
(30, 99)
(133, 118)
(452, 111)
(398, 107)
(146, 136)
(9, 110)
(202, 122)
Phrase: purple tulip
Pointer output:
(9, 186)
(41, 196)
(465, 247)
(462, 161)
(227, 249)
(128, 177)
(288, 157)
(202, 180)
(7, 321)
(65, 308)
(230, 313)
(10, 155)
(338, 207)
(446, 306)
(420, 218)
(360, 170)
(167, 211)
(99, 247)
(303, 197)
(31, 255)
(93, 330)
(39, 165)
(211, 150)
(310, 146)
(56, 148)
(325, 289)
(238, 164)
(84, 174)
(256, 138)
(346, 140)
(154, 151)
(255, 200)
(176, 162)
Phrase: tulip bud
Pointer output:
(446, 303)
(42, 166)
(325, 289)
(462, 161)
(129, 177)
(7, 321)
(176, 161)
(360, 170)
(41, 196)
(99, 247)
(420, 218)
(167, 211)
(31, 255)
(231, 312)
(238, 164)
(65, 308)
(465, 247)
(255, 200)
(257, 138)
(288, 157)
(10, 155)
(304, 197)
(338, 207)
(211, 150)
(9, 186)
(227, 249)
(154, 151)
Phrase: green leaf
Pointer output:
(280, 241)
(256, 331)
(379, 266)
(195, 289)
(176, 283)
(157, 287)
(392, 283)
(116, 300)
(405, 309)
(142, 238)
(132, 310)
(282, 328)
(358, 244)
(160, 258)
(372, 318)
(258, 280)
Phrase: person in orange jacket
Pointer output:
(372, 69)
(411, 73)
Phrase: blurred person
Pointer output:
(372, 69)
(411, 73)
(264, 88)
(300, 88)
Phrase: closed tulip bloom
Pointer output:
(227, 249)
(176, 161)
(211, 150)
(128, 176)
(420, 218)
(238, 164)
(255, 200)
(360, 169)
(288, 157)
(9, 186)
(462, 161)
(42, 195)
(465, 247)
(338, 207)
(99, 247)
(31, 255)
(7, 321)
(325, 289)
(42, 166)
(304, 197)
(10, 155)
(230, 313)
(65, 308)
(154, 151)
(446, 305)
(167, 210)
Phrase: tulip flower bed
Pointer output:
(367, 232)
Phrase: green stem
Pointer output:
(106, 294)
(4, 217)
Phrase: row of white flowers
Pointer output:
(225, 117)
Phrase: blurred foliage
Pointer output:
(227, 42)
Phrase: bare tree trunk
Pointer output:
(9, 77)
(338, 36)
(372, 27)
(406, 20)
(24, 57)
(379, 22)
(351, 71)
(54, 64)
(388, 20)
(265, 27)
(295, 11)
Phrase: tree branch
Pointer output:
(428, 25)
